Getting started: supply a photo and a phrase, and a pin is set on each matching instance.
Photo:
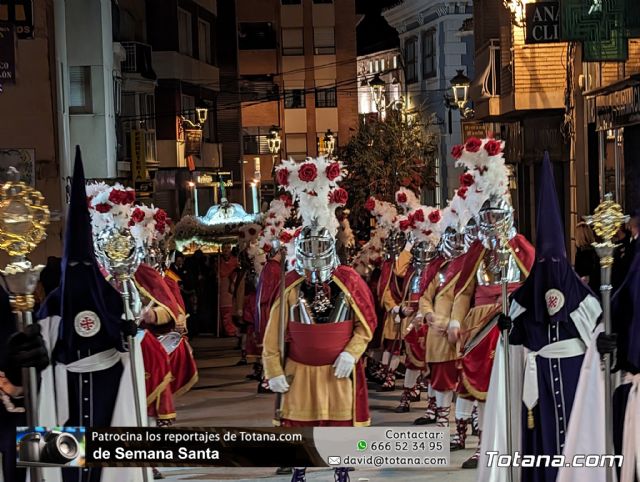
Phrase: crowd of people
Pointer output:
(451, 307)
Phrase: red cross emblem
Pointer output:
(87, 323)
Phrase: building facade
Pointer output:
(28, 90)
(297, 72)
(543, 95)
(385, 65)
(436, 41)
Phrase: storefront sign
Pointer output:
(213, 178)
(474, 129)
(192, 142)
(618, 109)
(18, 13)
(543, 22)
(7, 55)
(138, 156)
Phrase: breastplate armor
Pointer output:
(307, 311)
(489, 272)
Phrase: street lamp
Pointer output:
(378, 86)
(460, 86)
(329, 142)
(202, 113)
(274, 141)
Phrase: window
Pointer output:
(258, 88)
(411, 60)
(255, 140)
(294, 99)
(204, 41)
(256, 36)
(292, 41)
(326, 97)
(291, 2)
(324, 41)
(429, 54)
(296, 146)
(80, 90)
(185, 33)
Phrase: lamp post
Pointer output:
(329, 143)
(274, 141)
(460, 87)
(378, 88)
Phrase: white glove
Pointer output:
(344, 365)
(279, 384)
(395, 309)
(408, 246)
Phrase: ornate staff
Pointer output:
(23, 221)
(120, 255)
(606, 220)
(504, 256)
(282, 327)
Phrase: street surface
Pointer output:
(224, 397)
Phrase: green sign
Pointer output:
(600, 25)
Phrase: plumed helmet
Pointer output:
(316, 253)
(452, 244)
(422, 253)
(394, 243)
(496, 221)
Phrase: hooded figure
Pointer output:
(553, 315)
(587, 428)
(81, 321)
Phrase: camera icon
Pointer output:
(55, 447)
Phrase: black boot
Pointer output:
(156, 474)
(430, 415)
(459, 438)
(405, 401)
(341, 475)
(472, 462)
(414, 396)
(299, 475)
(257, 372)
(243, 359)
(389, 384)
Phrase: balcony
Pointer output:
(174, 65)
(486, 90)
(138, 60)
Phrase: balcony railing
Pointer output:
(138, 59)
(488, 62)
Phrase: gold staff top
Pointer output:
(23, 217)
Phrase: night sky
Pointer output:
(374, 33)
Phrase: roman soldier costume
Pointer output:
(435, 306)
(477, 304)
(423, 227)
(329, 317)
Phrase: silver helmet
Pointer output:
(316, 254)
(471, 232)
(394, 243)
(276, 245)
(496, 222)
(452, 244)
(156, 254)
(422, 253)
